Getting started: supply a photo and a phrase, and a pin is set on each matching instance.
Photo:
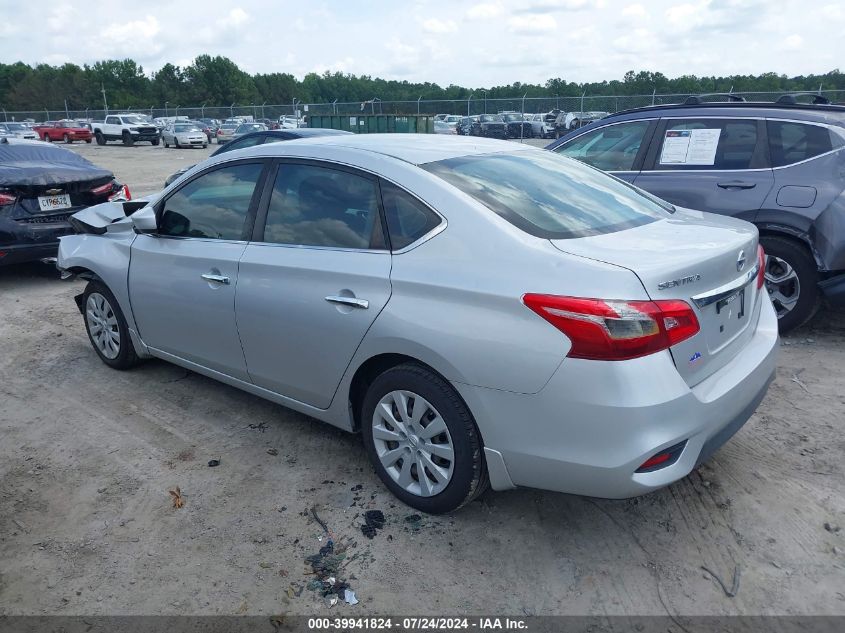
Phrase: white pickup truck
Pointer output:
(125, 127)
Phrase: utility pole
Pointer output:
(418, 105)
(105, 103)
(67, 114)
(166, 103)
(468, 100)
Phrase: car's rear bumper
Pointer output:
(592, 426)
(20, 253)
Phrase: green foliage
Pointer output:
(219, 81)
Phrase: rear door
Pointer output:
(183, 279)
(617, 148)
(314, 280)
(720, 165)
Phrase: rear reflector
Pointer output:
(663, 459)
(602, 329)
(761, 267)
(6, 198)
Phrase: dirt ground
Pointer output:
(88, 455)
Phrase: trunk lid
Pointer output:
(694, 257)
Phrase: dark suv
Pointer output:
(779, 165)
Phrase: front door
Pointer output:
(313, 282)
(710, 164)
(183, 279)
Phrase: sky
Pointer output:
(470, 43)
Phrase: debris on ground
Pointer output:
(326, 566)
(319, 520)
(373, 522)
(414, 521)
(357, 487)
(273, 451)
(212, 463)
(833, 529)
(734, 588)
(261, 426)
(178, 500)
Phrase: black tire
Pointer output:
(101, 140)
(800, 260)
(469, 475)
(88, 140)
(167, 145)
(127, 139)
(154, 142)
(67, 139)
(126, 356)
(47, 138)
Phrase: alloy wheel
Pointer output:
(782, 284)
(102, 325)
(413, 444)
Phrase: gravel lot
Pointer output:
(88, 455)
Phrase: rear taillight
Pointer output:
(601, 329)
(103, 189)
(761, 267)
(6, 198)
(121, 195)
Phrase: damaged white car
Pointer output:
(483, 312)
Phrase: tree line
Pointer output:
(218, 81)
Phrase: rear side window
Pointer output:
(212, 206)
(791, 142)
(408, 219)
(547, 195)
(318, 206)
(611, 148)
(710, 144)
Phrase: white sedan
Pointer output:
(184, 135)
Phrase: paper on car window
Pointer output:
(690, 147)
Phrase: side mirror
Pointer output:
(144, 220)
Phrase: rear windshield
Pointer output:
(548, 195)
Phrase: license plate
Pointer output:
(731, 310)
(51, 203)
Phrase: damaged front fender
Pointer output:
(108, 216)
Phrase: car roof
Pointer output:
(810, 112)
(416, 149)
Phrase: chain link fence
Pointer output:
(473, 105)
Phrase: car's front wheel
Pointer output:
(101, 140)
(422, 440)
(791, 280)
(106, 327)
(127, 139)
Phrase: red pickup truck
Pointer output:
(67, 131)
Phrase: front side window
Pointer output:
(212, 206)
(791, 142)
(408, 219)
(318, 206)
(113, 120)
(611, 148)
(718, 144)
(547, 195)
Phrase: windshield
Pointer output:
(547, 195)
(132, 120)
(490, 117)
(230, 126)
(246, 128)
(16, 127)
(187, 128)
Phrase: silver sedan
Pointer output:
(483, 313)
(184, 135)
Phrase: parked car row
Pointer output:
(514, 124)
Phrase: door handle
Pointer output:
(737, 184)
(349, 301)
(218, 279)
